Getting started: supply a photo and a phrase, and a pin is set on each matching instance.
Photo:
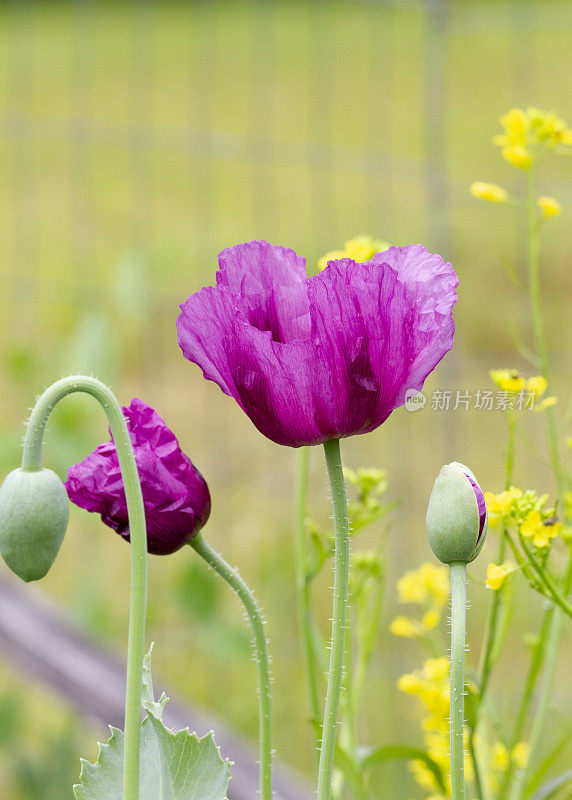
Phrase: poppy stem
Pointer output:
(32, 459)
(458, 572)
(339, 617)
(231, 576)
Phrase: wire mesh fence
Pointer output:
(140, 138)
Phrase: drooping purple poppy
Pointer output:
(312, 359)
(175, 494)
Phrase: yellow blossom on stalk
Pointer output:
(546, 403)
(498, 573)
(537, 385)
(360, 248)
(540, 530)
(509, 380)
(428, 587)
(500, 759)
(549, 206)
(528, 132)
(569, 442)
(517, 156)
(405, 627)
(499, 506)
(490, 192)
(427, 584)
(520, 754)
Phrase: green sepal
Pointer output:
(34, 512)
(173, 765)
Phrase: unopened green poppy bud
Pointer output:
(33, 521)
(456, 515)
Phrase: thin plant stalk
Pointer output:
(305, 621)
(32, 460)
(339, 617)
(458, 572)
(526, 699)
(231, 576)
(554, 634)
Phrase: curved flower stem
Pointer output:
(248, 599)
(32, 460)
(339, 617)
(457, 688)
(303, 585)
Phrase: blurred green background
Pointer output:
(137, 139)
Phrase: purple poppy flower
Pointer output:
(175, 494)
(312, 359)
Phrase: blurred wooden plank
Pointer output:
(38, 639)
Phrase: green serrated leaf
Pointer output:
(173, 765)
(148, 698)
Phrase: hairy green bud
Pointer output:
(456, 515)
(33, 521)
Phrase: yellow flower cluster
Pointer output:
(530, 132)
(430, 685)
(510, 380)
(497, 759)
(360, 248)
(524, 512)
(427, 587)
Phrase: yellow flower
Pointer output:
(527, 132)
(520, 754)
(541, 531)
(518, 156)
(500, 505)
(536, 385)
(550, 206)
(436, 669)
(423, 775)
(498, 573)
(405, 627)
(546, 403)
(509, 380)
(500, 757)
(516, 126)
(360, 248)
(431, 619)
(569, 442)
(427, 584)
(490, 192)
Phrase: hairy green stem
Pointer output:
(231, 576)
(339, 617)
(305, 620)
(31, 460)
(457, 684)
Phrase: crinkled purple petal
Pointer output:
(310, 359)
(175, 495)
